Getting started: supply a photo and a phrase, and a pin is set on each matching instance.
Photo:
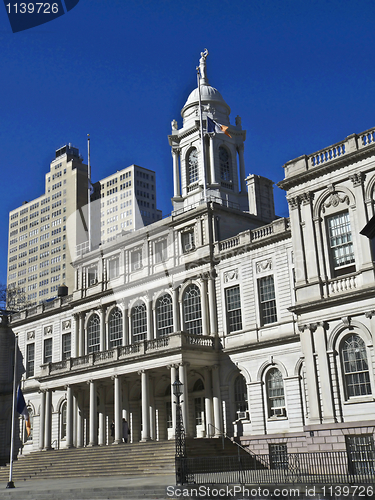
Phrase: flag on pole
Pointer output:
(22, 410)
(213, 126)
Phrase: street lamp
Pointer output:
(180, 457)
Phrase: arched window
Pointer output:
(63, 421)
(93, 334)
(355, 366)
(193, 173)
(240, 396)
(115, 328)
(164, 315)
(192, 310)
(225, 169)
(139, 322)
(275, 394)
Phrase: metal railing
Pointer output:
(298, 468)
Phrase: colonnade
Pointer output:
(96, 427)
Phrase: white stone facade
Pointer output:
(268, 322)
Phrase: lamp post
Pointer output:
(180, 436)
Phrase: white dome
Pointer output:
(208, 95)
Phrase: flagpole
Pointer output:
(89, 189)
(202, 138)
(11, 483)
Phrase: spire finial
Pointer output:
(202, 68)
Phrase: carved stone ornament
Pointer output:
(48, 330)
(231, 275)
(66, 325)
(357, 179)
(306, 198)
(264, 265)
(31, 335)
(293, 202)
(334, 201)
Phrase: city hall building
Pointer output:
(268, 322)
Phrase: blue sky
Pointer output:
(300, 74)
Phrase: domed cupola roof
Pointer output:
(210, 97)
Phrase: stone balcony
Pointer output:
(122, 354)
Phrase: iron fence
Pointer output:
(297, 468)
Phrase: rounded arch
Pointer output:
(89, 316)
(339, 331)
(60, 403)
(115, 327)
(298, 367)
(192, 165)
(234, 373)
(164, 314)
(160, 293)
(225, 163)
(192, 309)
(138, 314)
(317, 207)
(370, 190)
(110, 309)
(267, 365)
(136, 301)
(185, 285)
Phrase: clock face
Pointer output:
(193, 158)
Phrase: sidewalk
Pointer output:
(90, 487)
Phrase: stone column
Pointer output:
(79, 419)
(204, 303)
(81, 341)
(75, 345)
(42, 419)
(256, 407)
(117, 409)
(125, 326)
(69, 416)
(364, 259)
(208, 401)
(173, 399)
(48, 425)
(152, 413)
(311, 377)
(310, 237)
(176, 173)
(212, 304)
(218, 421)
(145, 406)
(149, 319)
(93, 432)
(102, 329)
(324, 374)
(241, 159)
(176, 311)
(130, 331)
(293, 393)
(182, 374)
(101, 434)
(212, 160)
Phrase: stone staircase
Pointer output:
(137, 459)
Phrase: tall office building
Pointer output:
(38, 254)
(127, 201)
(46, 234)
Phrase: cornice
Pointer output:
(319, 170)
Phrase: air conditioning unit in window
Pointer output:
(93, 281)
(137, 266)
(242, 415)
(188, 247)
(279, 412)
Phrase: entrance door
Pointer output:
(200, 419)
